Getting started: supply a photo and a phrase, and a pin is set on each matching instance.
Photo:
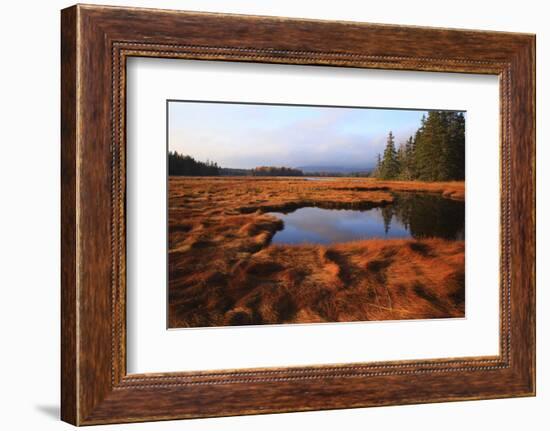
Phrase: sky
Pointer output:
(249, 135)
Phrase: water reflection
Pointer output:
(411, 215)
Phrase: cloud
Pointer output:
(242, 138)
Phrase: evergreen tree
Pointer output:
(410, 172)
(440, 145)
(402, 162)
(390, 165)
(436, 153)
(376, 172)
(428, 148)
(457, 146)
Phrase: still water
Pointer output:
(411, 215)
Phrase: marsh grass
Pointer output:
(224, 271)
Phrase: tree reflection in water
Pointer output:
(426, 215)
(410, 215)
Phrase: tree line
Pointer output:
(179, 164)
(276, 171)
(329, 174)
(435, 153)
(184, 165)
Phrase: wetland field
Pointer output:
(274, 250)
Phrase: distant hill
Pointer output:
(336, 169)
(235, 172)
(262, 171)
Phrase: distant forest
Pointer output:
(435, 153)
(179, 164)
(273, 171)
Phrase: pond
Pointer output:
(411, 215)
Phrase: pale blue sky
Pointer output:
(246, 136)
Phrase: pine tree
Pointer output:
(390, 164)
(409, 157)
(457, 150)
(429, 148)
(402, 162)
(376, 172)
(436, 153)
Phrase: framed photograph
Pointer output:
(369, 230)
(264, 214)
